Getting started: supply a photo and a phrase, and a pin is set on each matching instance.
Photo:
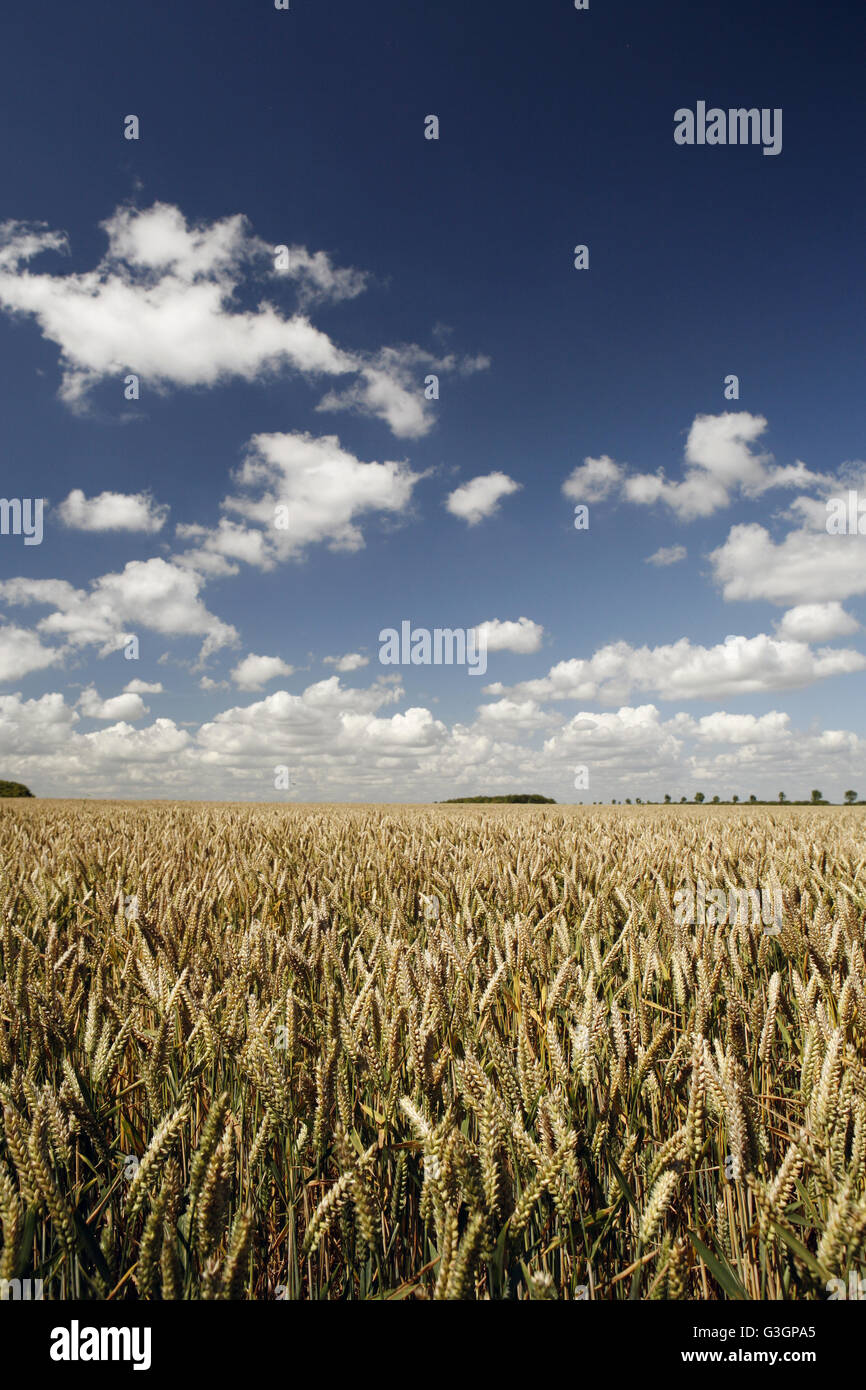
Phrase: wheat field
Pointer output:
(258, 1052)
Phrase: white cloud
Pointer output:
(667, 555)
(416, 730)
(519, 716)
(389, 384)
(221, 546)
(22, 652)
(319, 279)
(633, 750)
(30, 729)
(121, 743)
(340, 744)
(721, 727)
(352, 661)
(523, 636)
(39, 743)
(816, 622)
(162, 304)
(721, 464)
(593, 480)
(631, 742)
(255, 671)
(806, 567)
(322, 489)
(112, 511)
(137, 687)
(127, 706)
(151, 594)
(21, 241)
(282, 727)
(480, 497)
(686, 671)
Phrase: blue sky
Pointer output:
(736, 667)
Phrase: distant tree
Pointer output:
(735, 799)
(753, 798)
(683, 799)
(628, 801)
(716, 800)
(667, 798)
(850, 797)
(816, 795)
(699, 797)
(520, 800)
(14, 789)
(782, 796)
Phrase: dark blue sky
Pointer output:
(556, 129)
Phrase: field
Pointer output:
(453, 1053)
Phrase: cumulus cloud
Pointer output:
(32, 729)
(40, 741)
(120, 743)
(162, 303)
(352, 661)
(480, 497)
(414, 730)
(593, 480)
(722, 727)
(518, 716)
(523, 636)
(722, 463)
(255, 671)
(220, 547)
(633, 749)
(343, 744)
(686, 671)
(337, 737)
(806, 567)
(153, 594)
(816, 622)
(21, 652)
(633, 741)
(137, 687)
(323, 722)
(667, 555)
(112, 511)
(294, 491)
(128, 706)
